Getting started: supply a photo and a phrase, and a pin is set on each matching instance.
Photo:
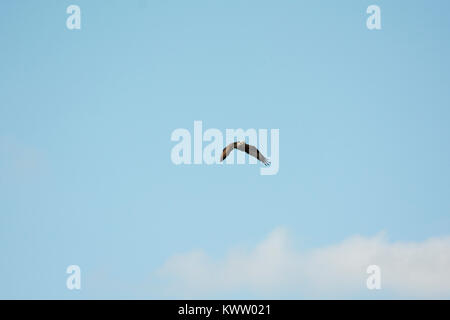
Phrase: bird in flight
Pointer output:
(242, 146)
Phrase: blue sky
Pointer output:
(86, 117)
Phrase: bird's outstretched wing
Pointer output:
(254, 152)
(226, 151)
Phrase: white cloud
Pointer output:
(273, 269)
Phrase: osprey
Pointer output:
(241, 145)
